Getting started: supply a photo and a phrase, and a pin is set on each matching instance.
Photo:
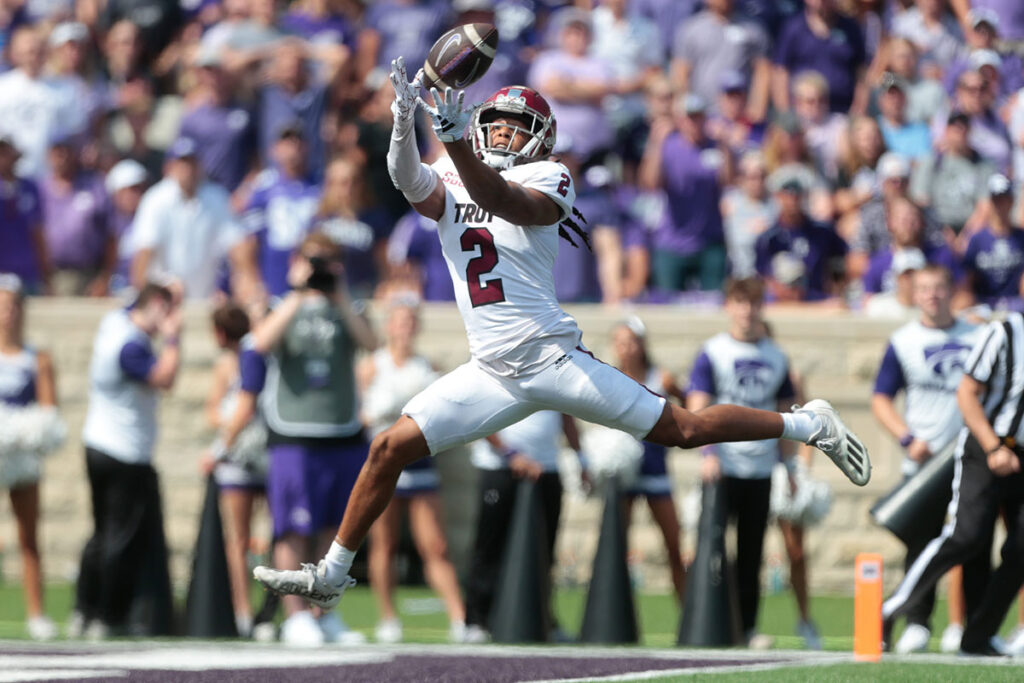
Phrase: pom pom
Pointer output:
(33, 429)
(611, 453)
(808, 504)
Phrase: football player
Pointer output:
(499, 202)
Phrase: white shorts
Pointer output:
(470, 403)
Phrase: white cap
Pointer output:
(893, 165)
(908, 259)
(980, 58)
(983, 15)
(68, 32)
(998, 185)
(126, 173)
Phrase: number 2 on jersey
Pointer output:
(482, 292)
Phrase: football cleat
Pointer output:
(306, 582)
(837, 442)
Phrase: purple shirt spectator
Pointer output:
(20, 216)
(667, 15)
(689, 174)
(277, 107)
(838, 57)
(414, 240)
(576, 278)
(814, 244)
(332, 29)
(406, 29)
(75, 222)
(279, 214)
(356, 237)
(995, 265)
(225, 137)
(881, 275)
(1010, 13)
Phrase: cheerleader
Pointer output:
(388, 379)
(26, 380)
(629, 345)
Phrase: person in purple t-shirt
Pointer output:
(224, 130)
(686, 165)
(74, 223)
(994, 261)
(281, 208)
(801, 260)
(822, 40)
(22, 244)
(906, 228)
(393, 28)
(317, 22)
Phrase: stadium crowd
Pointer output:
(828, 146)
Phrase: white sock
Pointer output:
(337, 563)
(800, 426)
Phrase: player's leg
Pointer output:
(428, 533)
(381, 560)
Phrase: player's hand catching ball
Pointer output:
(450, 120)
(406, 93)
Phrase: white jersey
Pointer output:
(928, 363)
(536, 437)
(392, 387)
(504, 284)
(755, 375)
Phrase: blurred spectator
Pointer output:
(393, 28)
(26, 379)
(122, 56)
(911, 139)
(931, 29)
(33, 110)
(907, 246)
(823, 130)
(158, 21)
(823, 40)
(576, 85)
(898, 303)
(120, 431)
(631, 45)
(246, 33)
(73, 74)
(747, 211)
(1008, 13)
(125, 183)
(800, 259)
(787, 158)
(715, 42)
(668, 16)
(22, 243)
(415, 258)
(858, 179)
(355, 227)
(925, 95)
(1016, 131)
(950, 182)
(987, 135)
(75, 223)
(319, 22)
(730, 126)
(281, 208)
(222, 127)
(641, 214)
(184, 228)
(683, 162)
(984, 47)
(994, 261)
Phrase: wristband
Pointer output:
(906, 440)
(994, 448)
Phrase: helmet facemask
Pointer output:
(501, 156)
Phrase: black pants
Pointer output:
(747, 502)
(967, 539)
(125, 512)
(497, 501)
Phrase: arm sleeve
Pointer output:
(252, 371)
(136, 360)
(890, 377)
(985, 354)
(702, 377)
(410, 176)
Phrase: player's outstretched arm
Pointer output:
(511, 201)
(417, 181)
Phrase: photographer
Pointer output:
(315, 440)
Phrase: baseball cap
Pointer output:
(68, 32)
(983, 15)
(207, 57)
(636, 326)
(999, 185)
(291, 129)
(908, 259)
(891, 80)
(957, 116)
(787, 121)
(692, 103)
(125, 173)
(980, 58)
(733, 80)
(182, 148)
(893, 165)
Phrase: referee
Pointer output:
(987, 477)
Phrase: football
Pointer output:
(461, 56)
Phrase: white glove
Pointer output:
(450, 121)
(406, 93)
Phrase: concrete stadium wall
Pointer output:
(837, 353)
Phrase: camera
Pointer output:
(322, 278)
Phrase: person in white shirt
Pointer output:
(184, 229)
(33, 110)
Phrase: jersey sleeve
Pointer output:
(890, 378)
(985, 354)
(551, 178)
(136, 360)
(252, 370)
(702, 377)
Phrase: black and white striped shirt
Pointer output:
(997, 362)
